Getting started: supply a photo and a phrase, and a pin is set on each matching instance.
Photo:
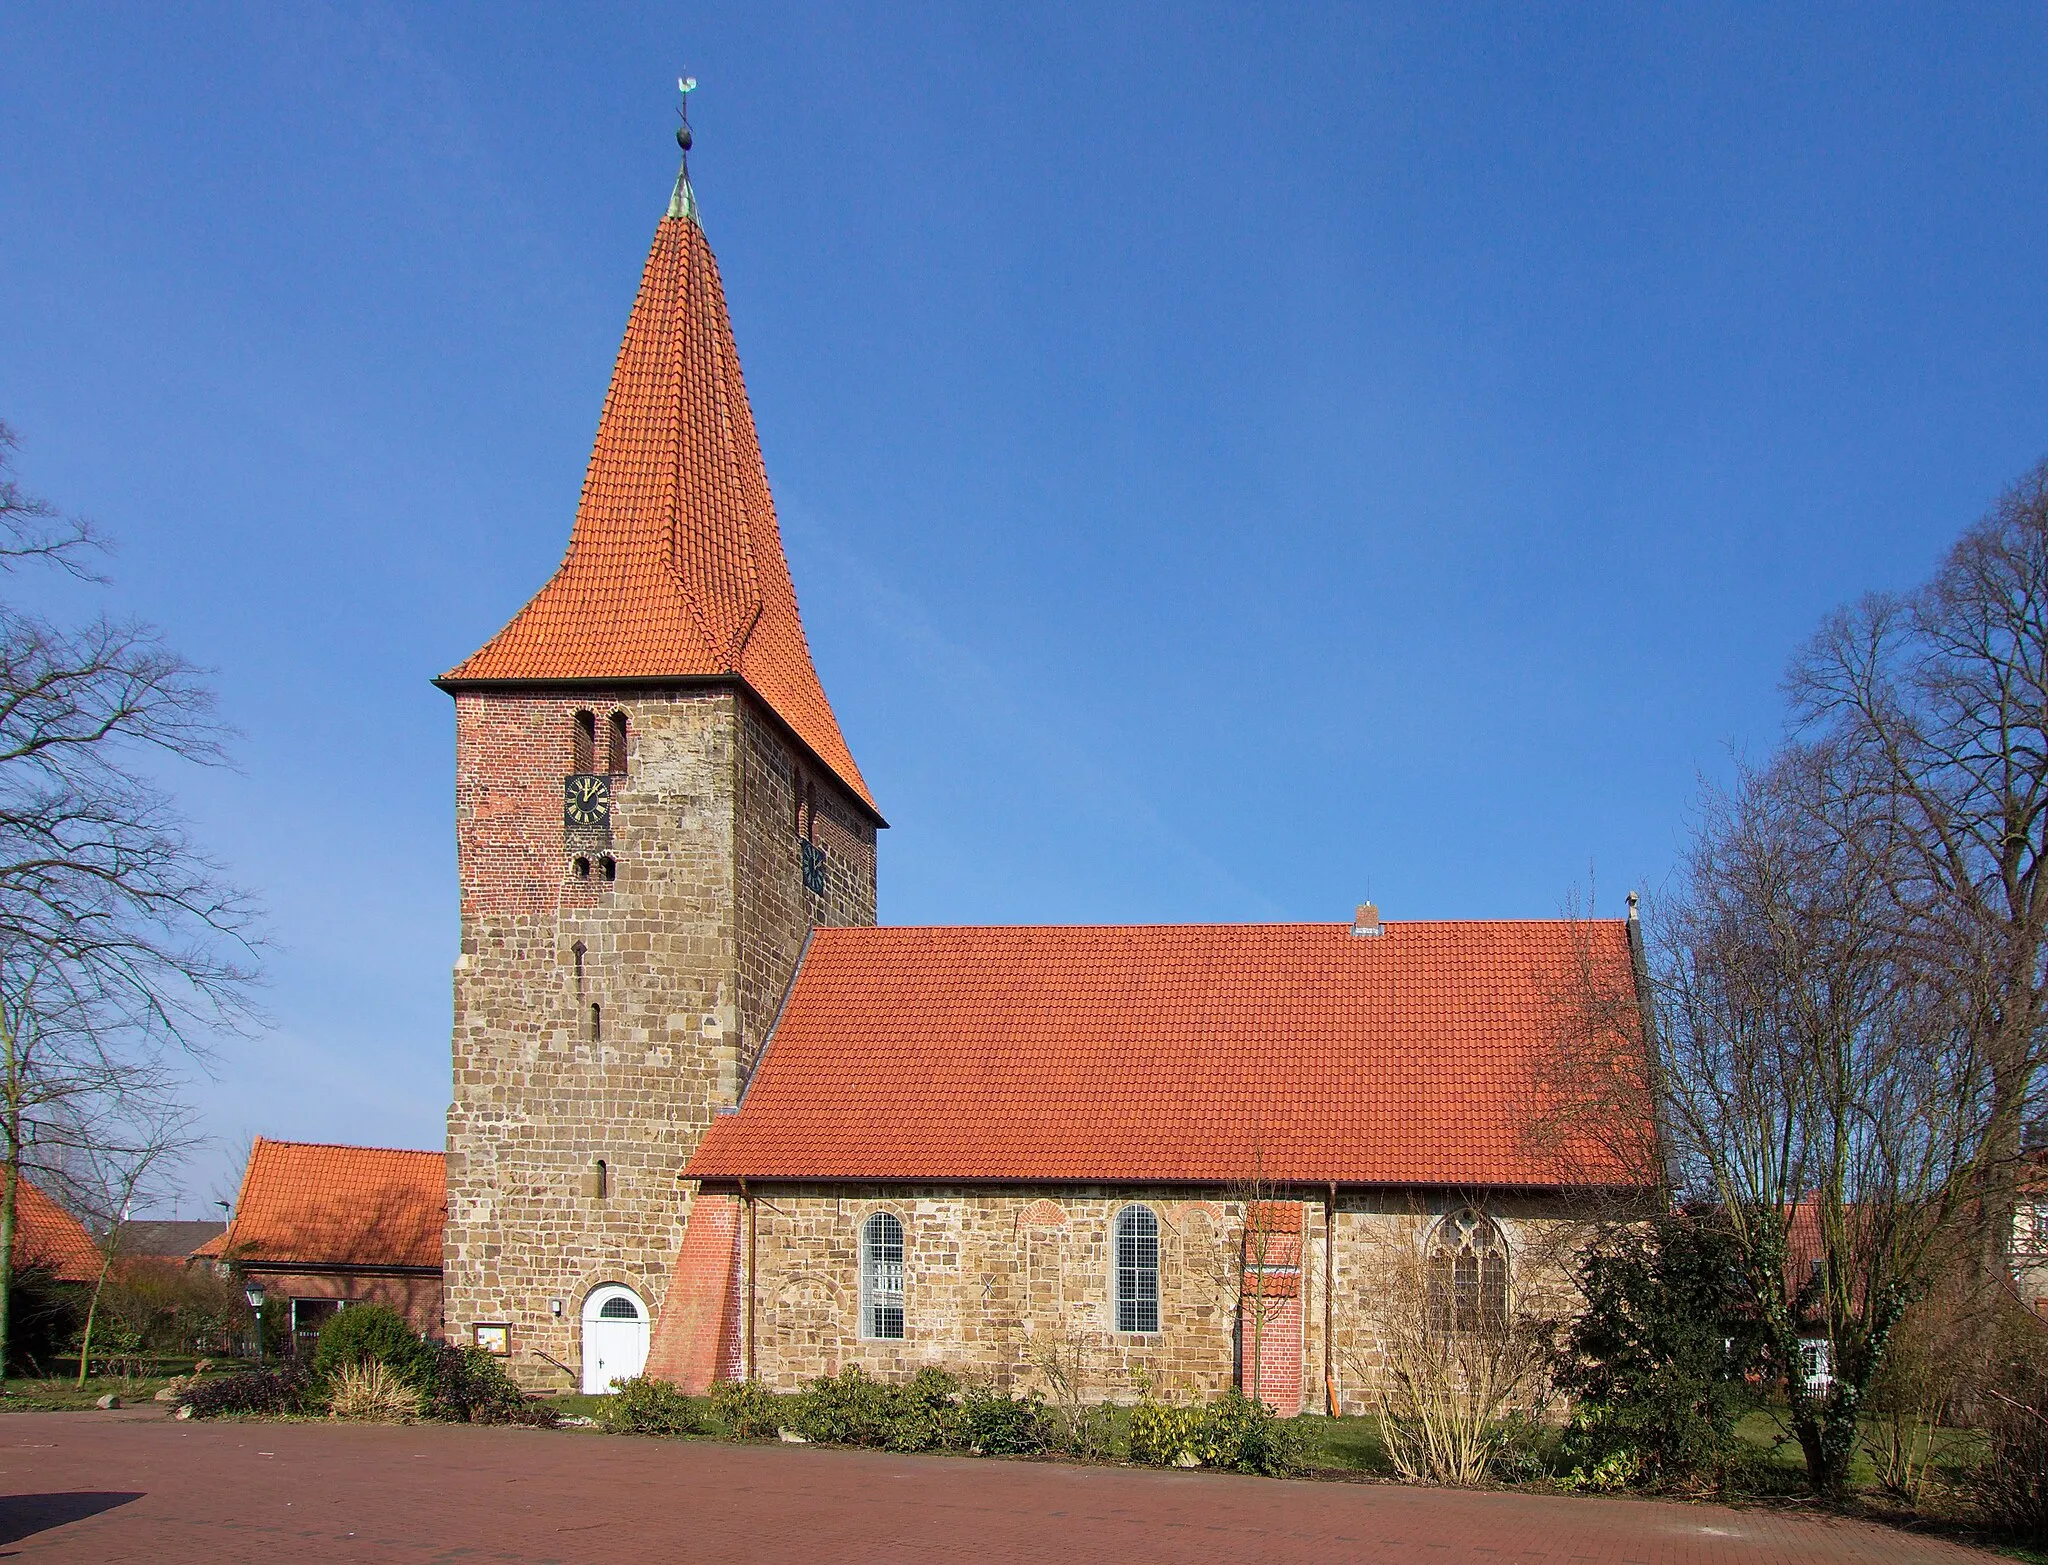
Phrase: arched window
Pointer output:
(615, 745)
(1137, 1269)
(583, 743)
(596, 1022)
(608, 867)
(582, 868)
(1468, 1274)
(579, 950)
(881, 1277)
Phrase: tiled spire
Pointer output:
(675, 567)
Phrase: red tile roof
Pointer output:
(675, 567)
(316, 1204)
(46, 1234)
(1193, 1053)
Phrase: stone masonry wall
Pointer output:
(537, 1097)
(995, 1278)
(776, 911)
(544, 1087)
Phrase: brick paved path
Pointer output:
(115, 1487)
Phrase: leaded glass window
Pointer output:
(1468, 1274)
(881, 1277)
(1137, 1269)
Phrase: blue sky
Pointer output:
(1233, 459)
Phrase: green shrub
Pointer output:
(1656, 1361)
(1234, 1433)
(851, 1408)
(470, 1386)
(43, 1315)
(923, 1414)
(1244, 1436)
(1525, 1452)
(842, 1409)
(747, 1409)
(370, 1333)
(649, 1407)
(1166, 1434)
(284, 1390)
(999, 1425)
(1092, 1431)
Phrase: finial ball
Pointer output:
(683, 138)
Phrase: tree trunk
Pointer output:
(92, 1311)
(10, 1188)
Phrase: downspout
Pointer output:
(1329, 1296)
(753, 1249)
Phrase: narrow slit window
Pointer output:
(615, 745)
(583, 743)
(1137, 1269)
(577, 951)
(596, 1022)
(881, 1278)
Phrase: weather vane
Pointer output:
(682, 201)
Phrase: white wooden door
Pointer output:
(614, 1337)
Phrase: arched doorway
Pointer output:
(614, 1337)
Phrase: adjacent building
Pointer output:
(47, 1236)
(321, 1227)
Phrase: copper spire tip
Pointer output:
(682, 201)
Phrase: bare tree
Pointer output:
(122, 948)
(1443, 1381)
(1269, 1261)
(1816, 1083)
(123, 1158)
(1937, 703)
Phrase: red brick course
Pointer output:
(104, 1488)
(697, 1335)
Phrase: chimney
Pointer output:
(1367, 921)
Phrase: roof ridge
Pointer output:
(348, 1146)
(1548, 921)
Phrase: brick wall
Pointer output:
(995, 1278)
(687, 952)
(418, 1299)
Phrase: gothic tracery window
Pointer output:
(1468, 1273)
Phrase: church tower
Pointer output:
(653, 807)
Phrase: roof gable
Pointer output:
(1172, 1053)
(323, 1205)
(675, 567)
(45, 1234)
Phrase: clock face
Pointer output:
(586, 800)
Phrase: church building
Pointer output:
(710, 1121)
